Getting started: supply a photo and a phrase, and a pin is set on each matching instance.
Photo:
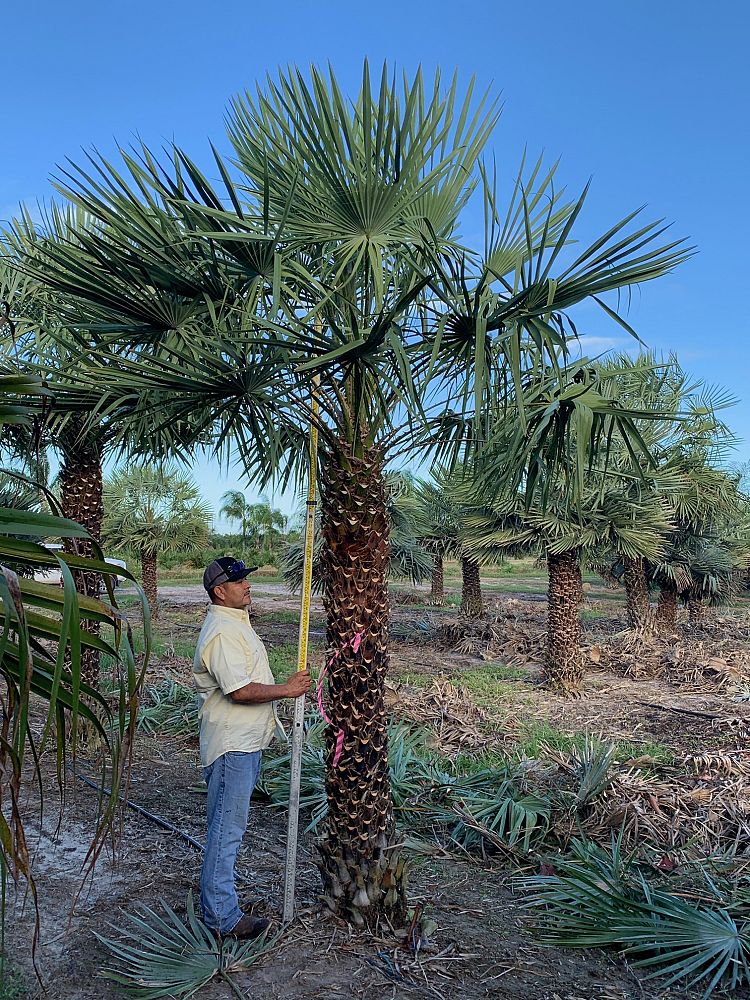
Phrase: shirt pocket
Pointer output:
(251, 659)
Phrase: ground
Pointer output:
(483, 944)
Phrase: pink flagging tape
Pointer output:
(354, 643)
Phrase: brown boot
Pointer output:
(248, 927)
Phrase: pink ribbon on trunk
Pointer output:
(354, 643)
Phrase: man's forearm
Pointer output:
(259, 694)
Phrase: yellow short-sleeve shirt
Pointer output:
(229, 655)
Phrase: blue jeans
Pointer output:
(230, 779)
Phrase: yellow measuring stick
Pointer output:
(290, 873)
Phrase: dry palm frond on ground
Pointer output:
(509, 633)
(455, 722)
(717, 654)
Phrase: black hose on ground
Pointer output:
(159, 820)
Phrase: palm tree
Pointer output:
(235, 506)
(338, 255)
(266, 521)
(154, 511)
(444, 514)
(566, 511)
(684, 438)
(602, 517)
(43, 640)
(707, 544)
(76, 434)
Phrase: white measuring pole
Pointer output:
(290, 873)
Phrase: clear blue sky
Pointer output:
(650, 99)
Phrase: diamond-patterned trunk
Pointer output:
(698, 610)
(148, 576)
(640, 613)
(81, 488)
(666, 609)
(471, 589)
(437, 594)
(564, 665)
(363, 872)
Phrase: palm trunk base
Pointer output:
(148, 572)
(666, 609)
(471, 589)
(564, 661)
(364, 891)
(640, 613)
(698, 611)
(437, 594)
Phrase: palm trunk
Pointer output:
(564, 667)
(471, 588)
(640, 614)
(363, 873)
(148, 574)
(81, 488)
(697, 609)
(666, 609)
(437, 595)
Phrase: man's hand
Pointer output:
(297, 684)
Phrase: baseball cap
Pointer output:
(225, 570)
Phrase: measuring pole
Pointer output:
(299, 703)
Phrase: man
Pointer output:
(238, 721)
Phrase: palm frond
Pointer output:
(163, 956)
(601, 898)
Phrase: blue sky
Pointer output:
(648, 99)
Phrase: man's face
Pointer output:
(233, 594)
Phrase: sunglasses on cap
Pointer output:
(227, 572)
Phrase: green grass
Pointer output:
(317, 622)
(533, 733)
(491, 686)
(12, 984)
(509, 568)
(282, 617)
(592, 614)
(413, 679)
(515, 586)
(124, 601)
(661, 755)
(179, 575)
(283, 659)
(167, 641)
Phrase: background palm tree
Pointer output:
(154, 511)
(340, 256)
(707, 546)
(266, 522)
(686, 442)
(566, 512)
(447, 501)
(234, 506)
(43, 640)
(79, 436)
(566, 534)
